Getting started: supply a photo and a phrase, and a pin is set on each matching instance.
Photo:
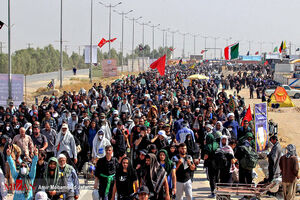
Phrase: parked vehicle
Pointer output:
(291, 92)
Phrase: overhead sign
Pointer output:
(109, 68)
(251, 58)
(17, 84)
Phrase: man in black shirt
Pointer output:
(184, 169)
(104, 175)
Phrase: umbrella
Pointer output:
(295, 61)
(198, 76)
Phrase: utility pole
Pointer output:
(249, 46)
(122, 43)
(153, 26)
(66, 48)
(132, 56)
(290, 49)
(9, 56)
(109, 35)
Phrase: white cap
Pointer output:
(116, 112)
(162, 133)
(230, 114)
(64, 126)
(41, 196)
(61, 156)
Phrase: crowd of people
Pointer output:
(145, 136)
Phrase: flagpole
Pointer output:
(173, 32)
(205, 37)
(91, 43)
(61, 51)
(9, 56)
(143, 39)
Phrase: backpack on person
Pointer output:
(250, 158)
(221, 160)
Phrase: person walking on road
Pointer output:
(289, 169)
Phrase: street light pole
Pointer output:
(215, 47)
(61, 43)
(173, 32)
(133, 19)
(143, 39)
(196, 35)
(109, 35)
(153, 26)
(205, 38)
(9, 56)
(91, 43)
(122, 44)
(183, 34)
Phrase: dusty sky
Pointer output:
(267, 21)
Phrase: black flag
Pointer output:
(248, 53)
(1, 24)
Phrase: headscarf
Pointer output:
(157, 173)
(226, 148)
(56, 175)
(211, 144)
(291, 150)
(221, 126)
(168, 162)
(190, 144)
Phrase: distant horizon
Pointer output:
(248, 20)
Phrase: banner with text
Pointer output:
(261, 126)
(17, 85)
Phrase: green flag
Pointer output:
(275, 49)
(234, 51)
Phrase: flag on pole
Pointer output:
(231, 52)
(193, 66)
(256, 53)
(281, 47)
(284, 45)
(102, 43)
(266, 63)
(248, 116)
(203, 51)
(275, 50)
(160, 65)
(248, 53)
(1, 24)
(298, 49)
(112, 40)
(172, 49)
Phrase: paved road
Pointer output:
(36, 81)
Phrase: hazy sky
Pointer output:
(37, 22)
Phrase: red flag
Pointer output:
(266, 63)
(203, 51)
(256, 53)
(248, 116)
(226, 53)
(102, 42)
(113, 39)
(171, 49)
(160, 65)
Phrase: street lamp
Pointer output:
(227, 40)
(249, 41)
(122, 45)
(183, 49)
(61, 46)
(9, 56)
(205, 38)
(173, 33)
(196, 35)
(133, 19)
(143, 38)
(109, 6)
(153, 26)
(215, 38)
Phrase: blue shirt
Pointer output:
(92, 133)
(182, 133)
